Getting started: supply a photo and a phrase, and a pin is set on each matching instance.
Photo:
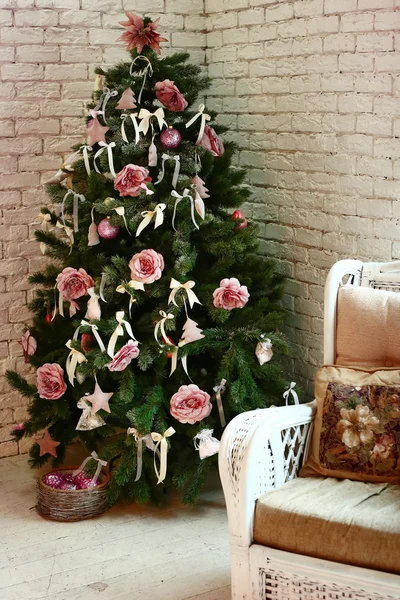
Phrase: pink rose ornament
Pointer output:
(146, 266)
(212, 142)
(230, 294)
(131, 180)
(190, 404)
(169, 96)
(50, 381)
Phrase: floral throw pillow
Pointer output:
(357, 426)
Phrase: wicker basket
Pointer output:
(72, 505)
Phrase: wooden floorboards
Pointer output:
(129, 553)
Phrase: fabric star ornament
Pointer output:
(96, 131)
(99, 399)
(47, 444)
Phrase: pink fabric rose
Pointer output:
(131, 180)
(146, 266)
(169, 95)
(50, 381)
(190, 404)
(138, 35)
(73, 283)
(212, 142)
(124, 356)
(230, 294)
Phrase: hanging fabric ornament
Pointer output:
(152, 157)
(127, 100)
(146, 117)
(93, 311)
(120, 210)
(74, 359)
(148, 215)
(162, 445)
(219, 390)
(93, 236)
(200, 187)
(29, 345)
(179, 198)
(175, 286)
(99, 399)
(204, 118)
(191, 332)
(69, 233)
(89, 419)
(119, 330)
(95, 332)
(205, 443)
(98, 83)
(264, 351)
(170, 138)
(75, 208)
(96, 131)
(199, 204)
(139, 439)
(177, 160)
(147, 71)
(291, 392)
(47, 444)
(45, 219)
(132, 117)
(106, 230)
(109, 147)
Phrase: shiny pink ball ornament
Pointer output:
(106, 230)
(239, 215)
(53, 480)
(69, 483)
(170, 138)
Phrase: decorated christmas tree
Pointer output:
(156, 322)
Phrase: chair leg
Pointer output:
(240, 573)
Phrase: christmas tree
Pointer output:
(146, 323)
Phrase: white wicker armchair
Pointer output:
(261, 450)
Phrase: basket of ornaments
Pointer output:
(74, 494)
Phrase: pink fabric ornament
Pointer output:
(50, 381)
(124, 357)
(73, 283)
(107, 230)
(170, 138)
(93, 306)
(153, 158)
(230, 294)
(206, 444)
(99, 399)
(146, 266)
(29, 345)
(96, 131)
(169, 96)
(18, 427)
(131, 180)
(137, 35)
(200, 187)
(264, 351)
(190, 404)
(93, 236)
(239, 215)
(212, 142)
(47, 444)
(191, 332)
(127, 100)
(53, 479)
(199, 204)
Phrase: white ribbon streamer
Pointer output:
(177, 160)
(160, 327)
(76, 199)
(73, 306)
(148, 70)
(179, 198)
(102, 103)
(175, 286)
(102, 286)
(100, 464)
(94, 331)
(119, 330)
(145, 116)
(120, 210)
(131, 116)
(204, 117)
(291, 392)
(162, 445)
(125, 289)
(148, 215)
(147, 439)
(220, 389)
(103, 146)
(74, 358)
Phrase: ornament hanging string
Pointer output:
(139, 439)
(204, 118)
(95, 331)
(75, 208)
(119, 330)
(109, 147)
(175, 286)
(179, 198)
(291, 392)
(74, 358)
(147, 71)
(146, 116)
(100, 107)
(132, 116)
(219, 390)
(162, 445)
(177, 160)
(148, 215)
(100, 464)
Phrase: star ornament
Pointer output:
(99, 399)
(47, 444)
(96, 131)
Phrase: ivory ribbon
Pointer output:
(147, 439)
(179, 198)
(291, 392)
(177, 160)
(88, 420)
(74, 358)
(145, 116)
(148, 215)
(131, 116)
(68, 164)
(73, 306)
(204, 117)
(220, 389)
(95, 331)
(76, 199)
(160, 327)
(125, 289)
(120, 210)
(102, 286)
(175, 286)
(45, 219)
(102, 103)
(98, 83)
(69, 232)
(162, 444)
(119, 330)
(100, 463)
(148, 70)
(103, 146)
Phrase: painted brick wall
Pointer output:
(311, 92)
(48, 50)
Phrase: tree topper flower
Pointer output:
(138, 35)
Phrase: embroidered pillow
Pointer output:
(357, 426)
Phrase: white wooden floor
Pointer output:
(129, 553)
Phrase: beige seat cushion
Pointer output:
(343, 521)
(368, 327)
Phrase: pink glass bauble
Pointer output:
(106, 230)
(170, 138)
(83, 482)
(239, 215)
(69, 483)
(53, 480)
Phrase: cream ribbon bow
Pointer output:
(69, 232)
(119, 330)
(175, 286)
(131, 116)
(74, 358)
(179, 198)
(148, 215)
(126, 289)
(177, 160)
(162, 445)
(146, 116)
(120, 210)
(291, 392)
(204, 117)
(147, 439)
(147, 70)
(95, 331)
(100, 463)
(220, 389)
(76, 199)
(45, 219)
(160, 327)
(109, 147)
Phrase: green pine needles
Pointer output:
(217, 250)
